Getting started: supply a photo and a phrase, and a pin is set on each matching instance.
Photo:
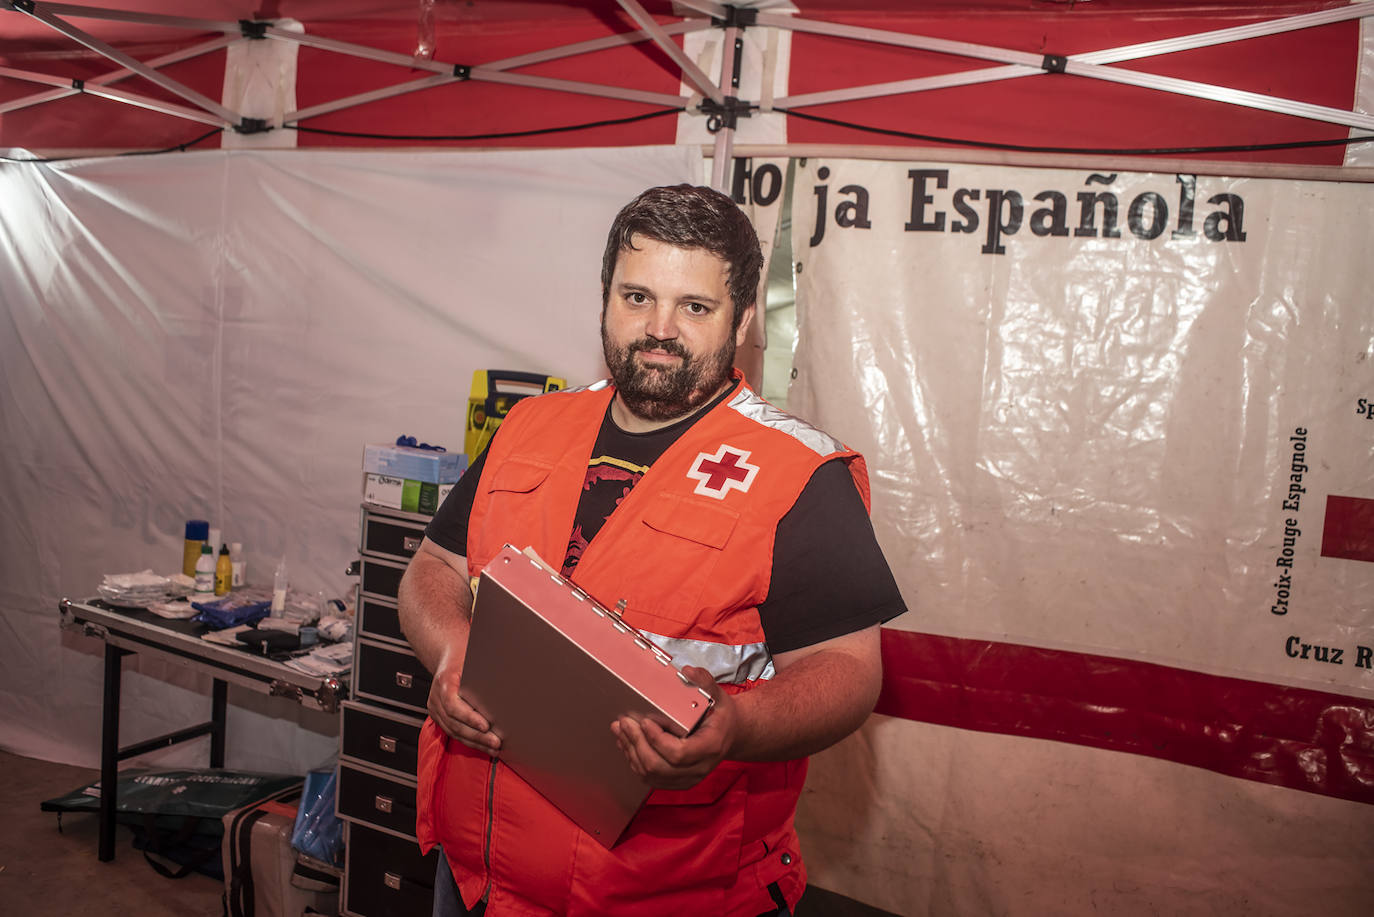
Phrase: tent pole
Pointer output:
(361, 51)
(534, 57)
(362, 98)
(153, 76)
(690, 70)
(115, 76)
(1088, 65)
(1213, 93)
(595, 44)
(723, 153)
(1112, 55)
(1207, 91)
(109, 15)
(94, 89)
(164, 108)
(1224, 36)
(444, 73)
(591, 89)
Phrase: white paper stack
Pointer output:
(330, 659)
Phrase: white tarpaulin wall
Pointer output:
(216, 335)
(1140, 446)
(1096, 454)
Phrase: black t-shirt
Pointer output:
(829, 576)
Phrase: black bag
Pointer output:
(176, 814)
(178, 845)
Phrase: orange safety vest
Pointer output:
(690, 550)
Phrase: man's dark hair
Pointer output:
(690, 217)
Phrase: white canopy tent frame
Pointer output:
(104, 92)
(113, 76)
(442, 72)
(722, 94)
(1089, 65)
(50, 18)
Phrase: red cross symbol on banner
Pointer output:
(716, 475)
(1348, 529)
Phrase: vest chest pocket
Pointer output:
(518, 476)
(513, 504)
(678, 550)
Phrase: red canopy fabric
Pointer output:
(1315, 65)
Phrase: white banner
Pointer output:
(1127, 414)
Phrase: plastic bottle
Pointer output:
(224, 571)
(205, 571)
(238, 565)
(197, 530)
(279, 589)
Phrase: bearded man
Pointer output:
(737, 538)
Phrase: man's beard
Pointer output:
(666, 392)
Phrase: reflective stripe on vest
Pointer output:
(728, 664)
(750, 405)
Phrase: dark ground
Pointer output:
(46, 872)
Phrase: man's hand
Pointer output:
(455, 716)
(434, 604)
(666, 762)
(819, 695)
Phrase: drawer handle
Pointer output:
(387, 744)
(392, 880)
(411, 543)
(404, 679)
(383, 804)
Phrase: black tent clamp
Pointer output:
(1054, 63)
(719, 116)
(737, 17)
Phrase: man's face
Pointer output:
(666, 328)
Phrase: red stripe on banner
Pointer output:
(1349, 528)
(1293, 737)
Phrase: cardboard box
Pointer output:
(404, 493)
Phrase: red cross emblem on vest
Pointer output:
(716, 475)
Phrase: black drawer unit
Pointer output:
(377, 617)
(385, 876)
(380, 738)
(389, 675)
(392, 532)
(380, 800)
(380, 577)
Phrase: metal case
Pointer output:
(390, 675)
(384, 801)
(380, 738)
(385, 876)
(384, 873)
(552, 669)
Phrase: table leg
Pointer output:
(219, 697)
(109, 751)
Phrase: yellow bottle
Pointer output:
(224, 571)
